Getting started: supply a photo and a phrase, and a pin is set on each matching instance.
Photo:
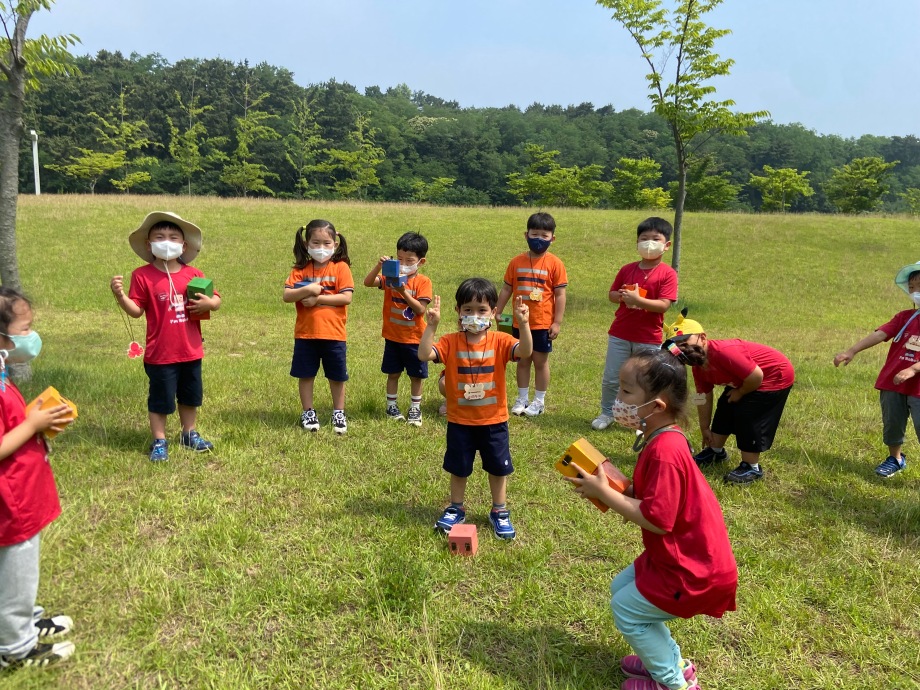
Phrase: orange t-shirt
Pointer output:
(526, 275)
(396, 326)
(322, 322)
(482, 363)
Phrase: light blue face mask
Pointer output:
(26, 347)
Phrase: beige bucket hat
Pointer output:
(192, 233)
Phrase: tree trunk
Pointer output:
(679, 214)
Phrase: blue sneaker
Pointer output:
(744, 474)
(501, 524)
(452, 516)
(193, 441)
(158, 450)
(891, 467)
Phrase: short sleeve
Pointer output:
(668, 289)
(509, 275)
(424, 289)
(561, 278)
(139, 290)
(699, 380)
(442, 348)
(344, 282)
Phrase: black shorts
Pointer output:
(399, 357)
(491, 440)
(753, 419)
(309, 353)
(174, 382)
(541, 341)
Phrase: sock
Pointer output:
(416, 402)
(539, 395)
(755, 466)
(523, 393)
(391, 399)
(458, 506)
(497, 507)
(716, 450)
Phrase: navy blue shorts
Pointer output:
(753, 419)
(174, 382)
(399, 357)
(541, 341)
(491, 440)
(309, 353)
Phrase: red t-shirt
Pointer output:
(28, 496)
(171, 336)
(732, 361)
(901, 354)
(639, 325)
(691, 569)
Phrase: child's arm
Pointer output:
(870, 340)
(704, 412)
(750, 384)
(522, 316)
(39, 420)
(415, 305)
(426, 352)
(128, 305)
(300, 293)
(908, 373)
(558, 313)
(503, 298)
(632, 299)
(614, 296)
(203, 303)
(372, 279)
(596, 486)
(341, 299)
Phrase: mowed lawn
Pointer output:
(288, 560)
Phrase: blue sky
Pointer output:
(846, 67)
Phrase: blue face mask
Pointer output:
(538, 245)
(26, 347)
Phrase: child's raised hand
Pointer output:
(588, 485)
(382, 259)
(433, 313)
(55, 418)
(904, 374)
(521, 310)
(117, 285)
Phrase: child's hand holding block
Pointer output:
(197, 287)
(391, 274)
(590, 459)
(641, 291)
(505, 323)
(51, 398)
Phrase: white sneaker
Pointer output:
(602, 421)
(535, 408)
(519, 407)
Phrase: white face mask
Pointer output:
(320, 254)
(650, 249)
(166, 250)
(475, 324)
(408, 270)
(627, 415)
(915, 296)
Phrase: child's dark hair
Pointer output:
(477, 289)
(8, 299)
(412, 242)
(658, 225)
(165, 224)
(659, 372)
(541, 221)
(304, 233)
(913, 274)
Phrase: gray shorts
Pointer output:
(896, 407)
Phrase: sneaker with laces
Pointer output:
(743, 474)
(394, 413)
(54, 627)
(309, 421)
(339, 423)
(890, 467)
(42, 654)
(415, 416)
(602, 421)
(450, 517)
(708, 456)
(159, 450)
(535, 408)
(633, 667)
(519, 406)
(649, 684)
(501, 524)
(193, 441)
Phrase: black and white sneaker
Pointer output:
(339, 423)
(42, 654)
(53, 628)
(708, 456)
(744, 474)
(415, 416)
(394, 413)
(309, 420)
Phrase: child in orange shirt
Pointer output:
(540, 278)
(403, 322)
(321, 287)
(477, 409)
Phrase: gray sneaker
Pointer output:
(602, 421)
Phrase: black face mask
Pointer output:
(538, 245)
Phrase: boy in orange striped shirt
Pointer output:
(474, 361)
(540, 278)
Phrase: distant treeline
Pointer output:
(213, 127)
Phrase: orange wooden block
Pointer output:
(591, 459)
(461, 540)
(51, 398)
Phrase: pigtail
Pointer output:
(341, 251)
(8, 298)
(301, 257)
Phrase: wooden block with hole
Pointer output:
(51, 398)
(590, 459)
(461, 540)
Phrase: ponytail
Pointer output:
(341, 251)
(301, 257)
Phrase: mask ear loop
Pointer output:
(3, 375)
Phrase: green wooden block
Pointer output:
(195, 287)
(505, 323)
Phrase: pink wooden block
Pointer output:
(462, 540)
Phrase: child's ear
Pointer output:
(421, 261)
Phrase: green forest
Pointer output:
(139, 124)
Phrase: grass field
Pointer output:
(286, 560)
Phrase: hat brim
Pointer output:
(901, 278)
(190, 231)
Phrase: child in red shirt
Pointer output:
(28, 500)
(687, 568)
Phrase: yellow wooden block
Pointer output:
(51, 398)
(590, 459)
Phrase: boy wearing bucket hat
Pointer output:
(899, 389)
(173, 353)
(757, 382)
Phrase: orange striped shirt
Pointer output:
(400, 323)
(525, 275)
(480, 363)
(322, 322)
